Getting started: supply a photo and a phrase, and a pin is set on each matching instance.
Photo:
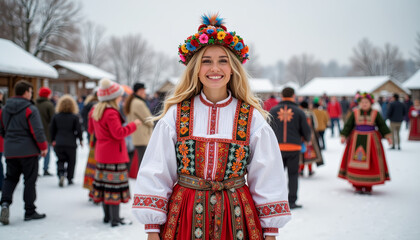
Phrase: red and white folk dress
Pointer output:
(191, 182)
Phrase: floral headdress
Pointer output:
(213, 32)
(365, 95)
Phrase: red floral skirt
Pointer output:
(364, 162)
(227, 214)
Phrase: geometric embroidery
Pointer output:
(273, 209)
(149, 201)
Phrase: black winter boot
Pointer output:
(114, 214)
(106, 212)
(4, 217)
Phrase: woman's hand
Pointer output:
(154, 236)
(389, 140)
(137, 122)
(270, 238)
(343, 139)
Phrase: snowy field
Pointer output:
(331, 210)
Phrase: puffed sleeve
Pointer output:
(266, 177)
(157, 175)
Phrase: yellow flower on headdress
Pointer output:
(184, 49)
(221, 35)
(235, 40)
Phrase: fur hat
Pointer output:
(44, 92)
(109, 90)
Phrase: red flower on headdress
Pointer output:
(194, 43)
(228, 38)
(180, 50)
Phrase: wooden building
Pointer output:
(17, 64)
(77, 79)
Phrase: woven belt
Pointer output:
(197, 183)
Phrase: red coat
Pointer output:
(110, 145)
(270, 103)
(334, 109)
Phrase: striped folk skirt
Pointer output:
(111, 184)
(90, 172)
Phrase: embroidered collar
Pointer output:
(222, 103)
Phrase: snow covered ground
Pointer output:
(330, 210)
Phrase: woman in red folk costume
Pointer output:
(364, 163)
(211, 133)
(414, 115)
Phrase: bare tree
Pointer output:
(416, 54)
(35, 25)
(369, 60)
(303, 68)
(92, 50)
(132, 59)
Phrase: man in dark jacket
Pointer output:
(396, 113)
(46, 111)
(24, 140)
(290, 126)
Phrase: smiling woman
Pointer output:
(212, 132)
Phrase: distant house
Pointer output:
(413, 84)
(262, 87)
(76, 78)
(17, 64)
(348, 86)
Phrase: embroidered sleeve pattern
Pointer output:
(152, 226)
(152, 202)
(273, 209)
(270, 230)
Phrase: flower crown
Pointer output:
(365, 95)
(213, 32)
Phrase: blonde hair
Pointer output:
(66, 104)
(100, 107)
(190, 84)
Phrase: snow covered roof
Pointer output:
(84, 69)
(344, 86)
(15, 60)
(261, 85)
(413, 82)
(291, 84)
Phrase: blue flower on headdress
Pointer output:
(238, 46)
(210, 31)
(190, 47)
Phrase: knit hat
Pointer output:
(212, 32)
(44, 92)
(109, 90)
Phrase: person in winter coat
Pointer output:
(65, 129)
(24, 141)
(111, 177)
(290, 126)
(322, 119)
(396, 113)
(270, 103)
(135, 107)
(334, 111)
(46, 111)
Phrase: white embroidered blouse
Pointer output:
(265, 173)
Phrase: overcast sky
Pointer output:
(277, 29)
